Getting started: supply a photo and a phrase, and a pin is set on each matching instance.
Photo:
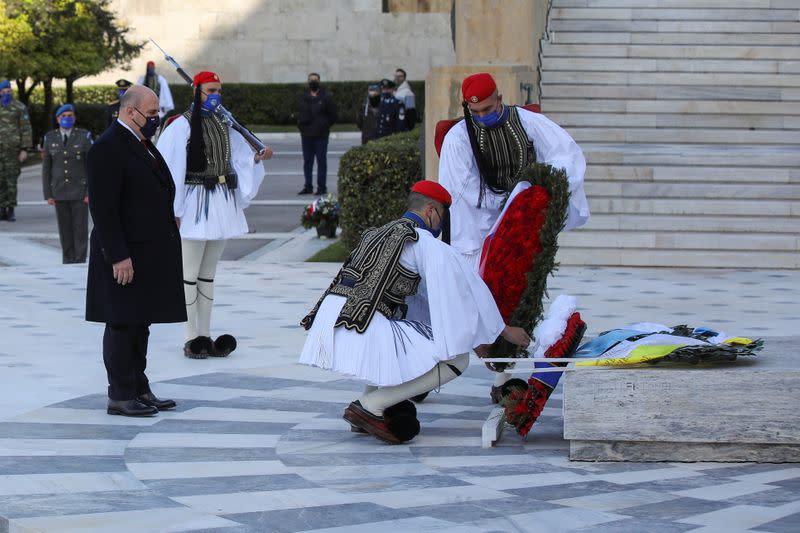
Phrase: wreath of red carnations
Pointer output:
(519, 257)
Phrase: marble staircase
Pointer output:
(689, 114)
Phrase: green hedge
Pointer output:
(374, 182)
(251, 103)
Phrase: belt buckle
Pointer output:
(221, 179)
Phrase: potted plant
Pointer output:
(323, 214)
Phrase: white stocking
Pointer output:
(205, 285)
(378, 400)
(192, 257)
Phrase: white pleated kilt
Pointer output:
(389, 352)
(210, 216)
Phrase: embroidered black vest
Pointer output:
(507, 150)
(372, 279)
(217, 140)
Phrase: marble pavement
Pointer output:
(258, 444)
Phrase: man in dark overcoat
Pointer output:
(135, 273)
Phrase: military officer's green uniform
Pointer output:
(64, 180)
(16, 135)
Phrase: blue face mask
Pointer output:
(5, 99)
(492, 119)
(212, 102)
(120, 92)
(66, 122)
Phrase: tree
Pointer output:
(16, 43)
(71, 39)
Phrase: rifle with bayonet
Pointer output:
(220, 111)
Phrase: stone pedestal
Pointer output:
(745, 411)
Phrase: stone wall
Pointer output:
(283, 40)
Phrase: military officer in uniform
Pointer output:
(64, 152)
(16, 136)
(112, 111)
(392, 111)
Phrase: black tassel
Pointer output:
(196, 153)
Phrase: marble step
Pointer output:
(677, 38)
(691, 174)
(624, 64)
(759, 4)
(680, 155)
(699, 223)
(674, 240)
(685, 135)
(691, 107)
(674, 92)
(697, 206)
(672, 26)
(694, 14)
(650, 120)
(692, 191)
(720, 50)
(648, 257)
(575, 77)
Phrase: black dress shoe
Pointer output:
(306, 190)
(320, 192)
(151, 400)
(130, 408)
(10, 214)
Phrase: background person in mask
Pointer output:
(16, 137)
(216, 175)
(484, 155)
(406, 95)
(368, 117)
(135, 254)
(112, 111)
(64, 151)
(158, 84)
(315, 115)
(392, 110)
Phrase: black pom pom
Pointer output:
(224, 345)
(512, 384)
(403, 426)
(201, 345)
(403, 408)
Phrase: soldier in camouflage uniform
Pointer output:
(64, 152)
(16, 136)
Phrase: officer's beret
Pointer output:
(64, 108)
(5, 84)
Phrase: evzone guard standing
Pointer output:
(216, 175)
(402, 315)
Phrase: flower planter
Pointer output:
(326, 229)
